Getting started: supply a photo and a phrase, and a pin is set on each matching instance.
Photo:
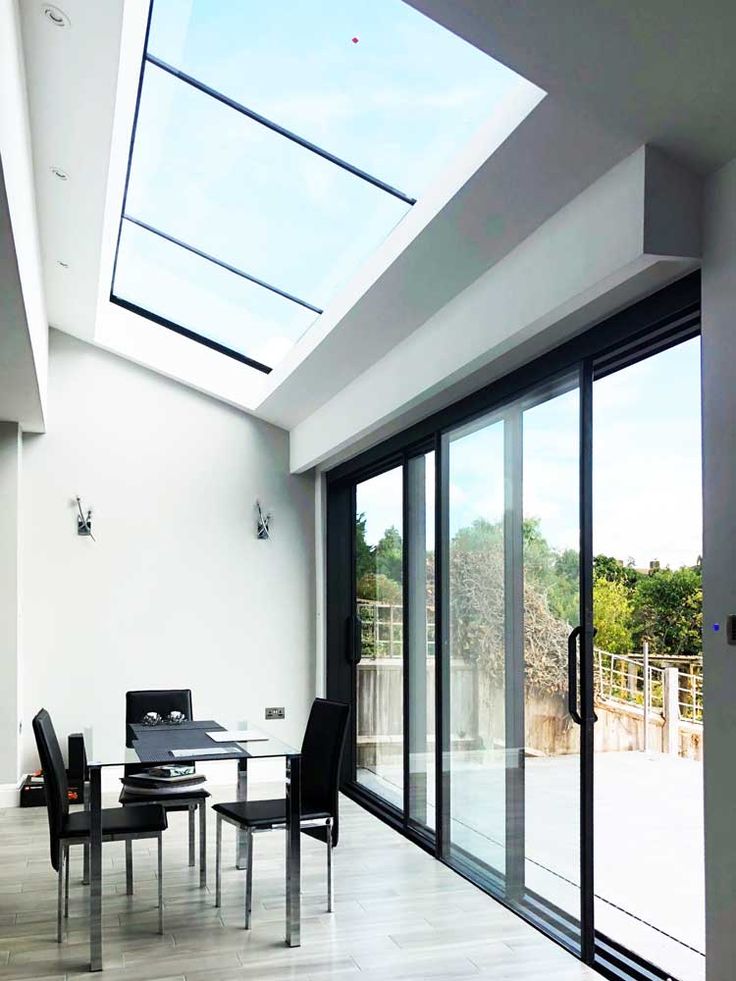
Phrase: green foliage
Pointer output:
(614, 570)
(668, 612)
(363, 551)
(389, 555)
(663, 607)
(383, 559)
(378, 587)
(612, 615)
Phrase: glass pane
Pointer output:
(379, 557)
(194, 293)
(377, 83)
(477, 668)
(513, 578)
(246, 195)
(647, 595)
(551, 571)
(421, 559)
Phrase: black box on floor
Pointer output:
(32, 792)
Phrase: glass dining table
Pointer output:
(184, 743)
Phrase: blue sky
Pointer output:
(399, 102)
(646, 466)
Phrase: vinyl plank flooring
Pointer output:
(398, 914)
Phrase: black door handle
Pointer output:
(572, 675)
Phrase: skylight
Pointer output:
(275, 146)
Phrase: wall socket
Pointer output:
(275, 713)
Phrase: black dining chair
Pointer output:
(65, 828)
(322, 749)
(163, 702)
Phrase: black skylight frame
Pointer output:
(225, 100)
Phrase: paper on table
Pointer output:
(200, 751)
(237, 736)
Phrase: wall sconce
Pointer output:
(263, 523)
(84, 523)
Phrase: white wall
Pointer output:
(176, 591)
(719, 568)
(23, 321)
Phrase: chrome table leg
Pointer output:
(128, 867)
(160, 882)
(191, 836)
(293, 850)
(240, 834)
(203, 844)
(85, 846)
(218, 862)
(95, 869)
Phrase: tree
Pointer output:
(380, 588)
(363, 551)
(389, 555)
(612, 616)
(608, 567)
(668, 612)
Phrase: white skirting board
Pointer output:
(9, 794)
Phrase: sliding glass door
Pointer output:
(465, 588)
(379, 611)
(512, 581)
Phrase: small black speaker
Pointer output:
(77, 758)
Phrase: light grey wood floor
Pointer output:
(398, 914)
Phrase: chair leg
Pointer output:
(160, 882)
(330, 883)
(191, 835)
(218, 862)
(128, 866)
(202, 844)
(60, 895)
(66, 882)
(249, 879)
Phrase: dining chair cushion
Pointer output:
(172, 802)
(265, 813)
(147, 819)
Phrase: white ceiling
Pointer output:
(662, 71)
(617, 75)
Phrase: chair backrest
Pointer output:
(322, 749)
(163, 701)
(54, 779)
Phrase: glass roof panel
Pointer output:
(373, 81)
(193, 293)
(233, 188)
(276, 145)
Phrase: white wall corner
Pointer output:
(673, 205)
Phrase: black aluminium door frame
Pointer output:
(655, 323)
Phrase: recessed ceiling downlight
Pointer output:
(56, 16)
